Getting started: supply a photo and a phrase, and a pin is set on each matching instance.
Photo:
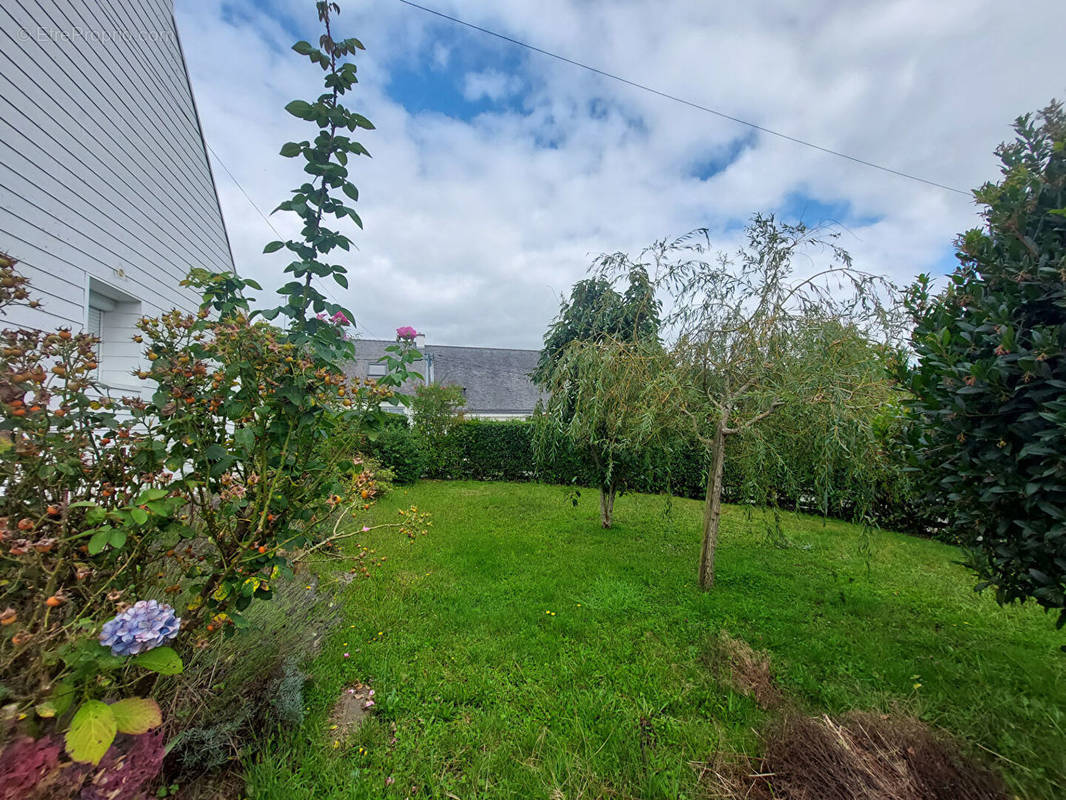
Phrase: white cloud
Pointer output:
(473, 227)
(490, 84)
(441, 55)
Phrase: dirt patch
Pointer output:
(746, 670)
(351, 709)
(859, 756)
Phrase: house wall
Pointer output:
(105, 185)
(495, 381)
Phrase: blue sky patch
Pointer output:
(434, 79)
(720, 158)
(812, 211)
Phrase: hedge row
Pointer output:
(504, 451)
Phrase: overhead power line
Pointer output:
(683, 101)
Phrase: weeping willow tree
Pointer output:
(776, 368)
(822, 448)
(610, 400)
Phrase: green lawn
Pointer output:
(482, 694)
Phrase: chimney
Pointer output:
(427, 363)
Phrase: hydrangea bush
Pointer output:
(144, 625)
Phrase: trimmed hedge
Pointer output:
(491, 451)
(485, 450)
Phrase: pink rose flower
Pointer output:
(406, 332)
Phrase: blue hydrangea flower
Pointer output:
(144, 625)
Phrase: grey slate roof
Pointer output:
(496, 380)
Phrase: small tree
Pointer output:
(436, 410)
(607, 399)
(596, 354)
(746, 327)
(989, 384)
(596, 311)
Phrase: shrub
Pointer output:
(400, 450)
(393, 420)
(85, 507)
(988, 385)
(436, 410)
(247, 686)
(288, 692)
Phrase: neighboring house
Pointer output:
(106, 194)
(494, 380)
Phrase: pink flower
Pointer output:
(365, 529)
(389, 781)
(340, 319)
(346, 655)
(406, 333)
(368, 704)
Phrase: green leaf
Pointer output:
(303, 48)
(273, 247)
(290, 149)
(299, 108)
(215, 452)
(91, 732)
(162, 660)
(136, 715)
(148, 495)
(99, 540)
(350, 190)
(245, 439)
(62, 697)
(118, 537)
(140, 516)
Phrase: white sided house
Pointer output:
(106, 195)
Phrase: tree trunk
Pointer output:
(712, 505)
(606, 505)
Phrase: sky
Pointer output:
(498, 174)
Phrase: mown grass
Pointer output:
(483, 694)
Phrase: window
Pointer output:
(375, 371)
(111, 316)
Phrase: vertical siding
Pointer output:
(103, 170)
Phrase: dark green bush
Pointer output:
(493, 451)
(400, 450)
(988, 384)
(395, 421)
